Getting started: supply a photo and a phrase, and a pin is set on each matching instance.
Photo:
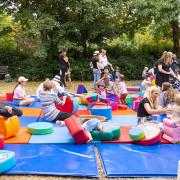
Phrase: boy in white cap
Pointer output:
(19, 94)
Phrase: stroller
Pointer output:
(175, 83)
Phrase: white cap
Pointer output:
(57, 78)
(22, 79)
(95, 53)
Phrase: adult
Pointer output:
(94, 64)
(175, 64)
(164, 69)
(63, 66)
(103, 61)
(149, 105)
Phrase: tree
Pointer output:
(162, 13)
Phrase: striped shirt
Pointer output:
(48, 100)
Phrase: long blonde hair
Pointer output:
(153, 103)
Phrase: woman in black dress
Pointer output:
(164, 69)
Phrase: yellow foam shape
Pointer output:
(9, 126)
(82, 100)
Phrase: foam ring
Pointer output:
(40, 128)
(136, 133)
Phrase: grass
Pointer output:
(31, 90)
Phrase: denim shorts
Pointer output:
(16, 102)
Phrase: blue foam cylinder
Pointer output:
(102, 111)
(7, 160)
(76, 106)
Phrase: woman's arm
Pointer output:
(161, 70)
(98, 66)
(151, 111)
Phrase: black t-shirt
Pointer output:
(94, 61)
(141, 110)
(62, 62)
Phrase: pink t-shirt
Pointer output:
(19, 92)
(122, 87)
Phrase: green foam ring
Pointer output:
(40, 128)
(136, 133)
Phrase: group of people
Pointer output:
(104, 82)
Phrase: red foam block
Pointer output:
(67, 107)
(9, 96)
(1, 142)
(78, 133)
(133, 88)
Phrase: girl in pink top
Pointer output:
(120, 89)
(19, 94)
(171, 126)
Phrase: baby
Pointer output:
(90, 125)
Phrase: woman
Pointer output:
(164, 69)
(96, 69)
(148, 106)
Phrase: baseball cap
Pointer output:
(22, 79)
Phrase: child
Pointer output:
(144, 73)
(90, 125)
(123, 90)
(106, 73)
(19, 94)
(102, 93)
(8, 111)
(171, 126)
(146, 83)
(48, 100)
(116, 73)
(167, 96)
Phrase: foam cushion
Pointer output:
(102, 111)
(1, 142)
(7, 160)
(78, 133)
(136, 133)
(40, 128)
(32, 111)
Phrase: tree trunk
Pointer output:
(176, 36)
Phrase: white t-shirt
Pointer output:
(122, 87)
(19, 92)
(103, 61)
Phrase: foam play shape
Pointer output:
(110, 132)
(133, 88)
(136, 133)
(69, 106)
(1, 142)
(78, 133)
(7, 160)
(135, 105)
(160, 160)
(34, 105)
(81, 89)
(100, 118)
(122, 107)
(22, 137)
(40, 128)
(128, 111)
(9, 96)
(44, 159)
(152, 134)
(26, 120)
(83, 112)
(129, 100)
(102, 111)
(2, 98)
(91, 97)
(32, 111)
(9, 126)
(82, 100)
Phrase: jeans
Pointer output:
(97, 76)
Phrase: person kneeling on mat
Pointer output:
(48, 100)
(8, 111)
(90, 125)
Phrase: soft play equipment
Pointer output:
(91, 97)
(78, 133)
(135, 105)
(81, 89)
(136, 133)
(110, 132)
(9, 126)
(102, 111)
(129, 100)
(40, 128)
(82, 100)
(152, 134)
(69, 106)
(44, 159)
(171, 131)
(7, 160)
(156, 161)
(2, 98)
(133, 88)
(122, 107)
(1, 142)
(100, 118)
(9, 96)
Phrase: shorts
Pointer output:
(17, 102)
